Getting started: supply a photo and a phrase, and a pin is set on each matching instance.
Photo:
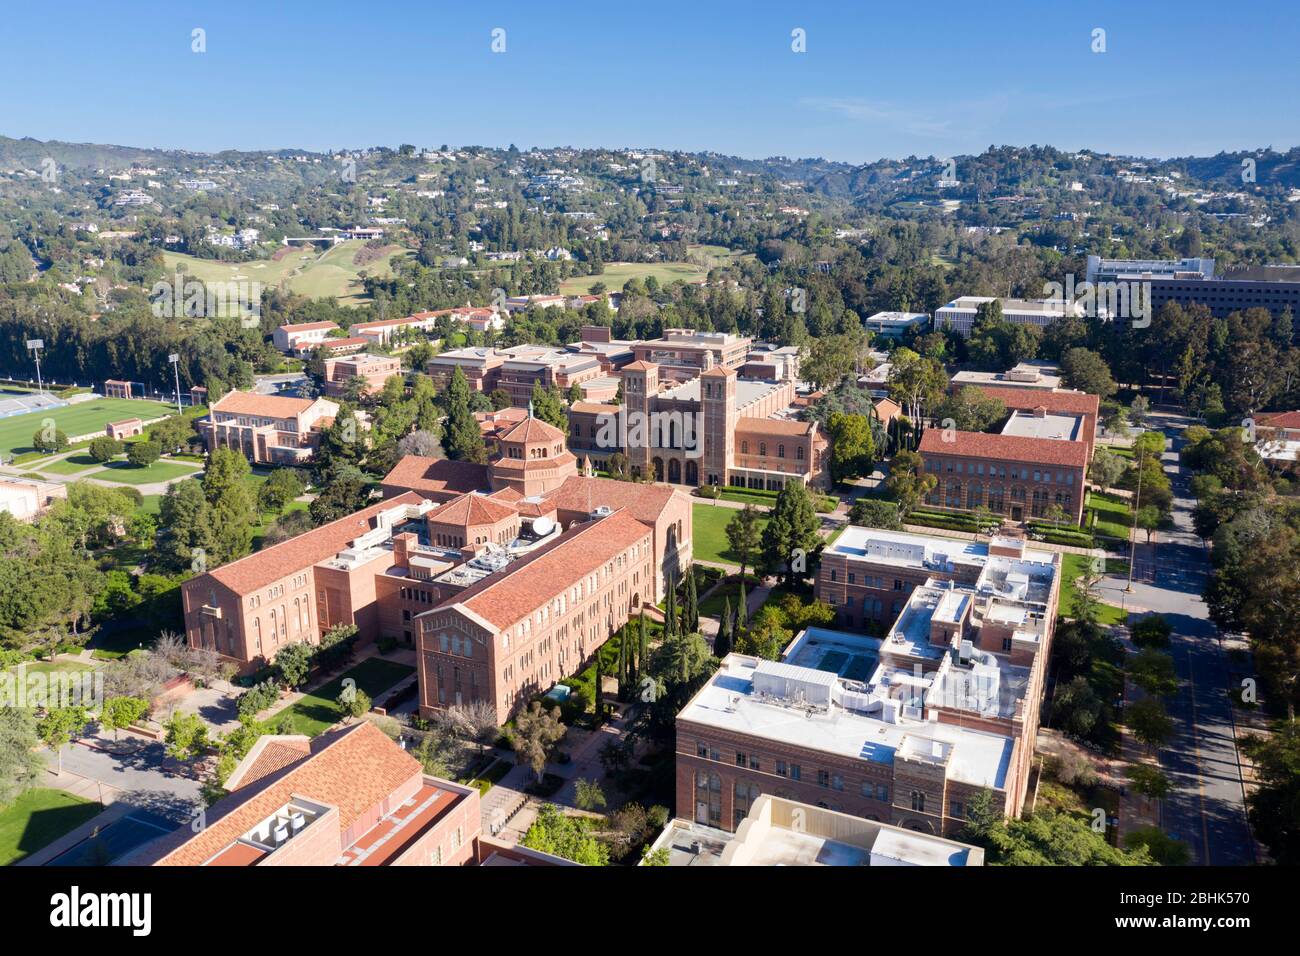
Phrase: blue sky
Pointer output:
(878, 79)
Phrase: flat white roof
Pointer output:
(1052, 425)
(727, 702)
(918, 849)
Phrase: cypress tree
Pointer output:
(722, 644)
(692, 603)
(742, 611)
(643, 640)
(670, 612)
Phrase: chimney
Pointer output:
(403, 545)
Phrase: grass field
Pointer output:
(317, 712)
(38, 818)
(305, 270)
(123, 472)
(1072, 567)
(1114, 516)
(616, 274)
(16, 432)
(70, 465)
(710, 535)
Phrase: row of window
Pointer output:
(977, 468)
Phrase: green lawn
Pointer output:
(617, 274)
(1114, 516)
(52, 667)
(123, 472)
(16, 432)
(1072, 567)
(710, 536)
(713, 604)
(38, 818)
(317, 711)
(70, 465)
(305, 270)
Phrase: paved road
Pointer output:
(1207, 808)
(146, 776)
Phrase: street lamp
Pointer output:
(34, 346)
(175, 360)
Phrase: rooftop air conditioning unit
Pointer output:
(281, 834)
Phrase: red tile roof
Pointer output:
(436, 476)
(354, 769)
(501, 599)
(581, 494)
(1038, 451)
(472, 509)
(297, 554)
(264, 406)
(1278, 420)
(533, 430)
(1077, 403)
(307, 326)
(773, 426)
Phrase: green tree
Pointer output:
(122, 712)
(20, 765)
(352, 701)
(875, 513)
(143, 453)
(1087, 371)
(49, 440)
(853, 450)
(569, 837)
(745, 535)
(723, 642)
(908, 483)
(281, 487)
(462, 437)
(104, 449)
(294, 663)
(231, 509)
(588, 795)
(537, 731)
(1149, 723)
(1106, 467)
(60, 726)
(187, 736)
(791, 533)
(1274, 805)
(1148, 780)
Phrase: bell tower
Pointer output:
(718, 424)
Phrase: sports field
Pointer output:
(304, 269)
(16, 431)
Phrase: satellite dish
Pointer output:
(543, 526)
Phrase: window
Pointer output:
(957, 810)
(780, 768)
(701, 750)
(796, 772)
(823, 778)
(740, 759)
(882, 793)
(918, 801)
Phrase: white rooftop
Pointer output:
(729, 701)
(1051, 425)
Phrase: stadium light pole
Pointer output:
(175, 359)
(34, 346)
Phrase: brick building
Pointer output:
(903, 728)
(372, 370)
(350, 797)
(267, 429)
(714, 429)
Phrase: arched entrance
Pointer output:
(658, 465)
(674, 471)
(692, 472)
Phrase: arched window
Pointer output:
(780, 451)
(744, 448)
(918, 801)
(798, 453)
(762, 448)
